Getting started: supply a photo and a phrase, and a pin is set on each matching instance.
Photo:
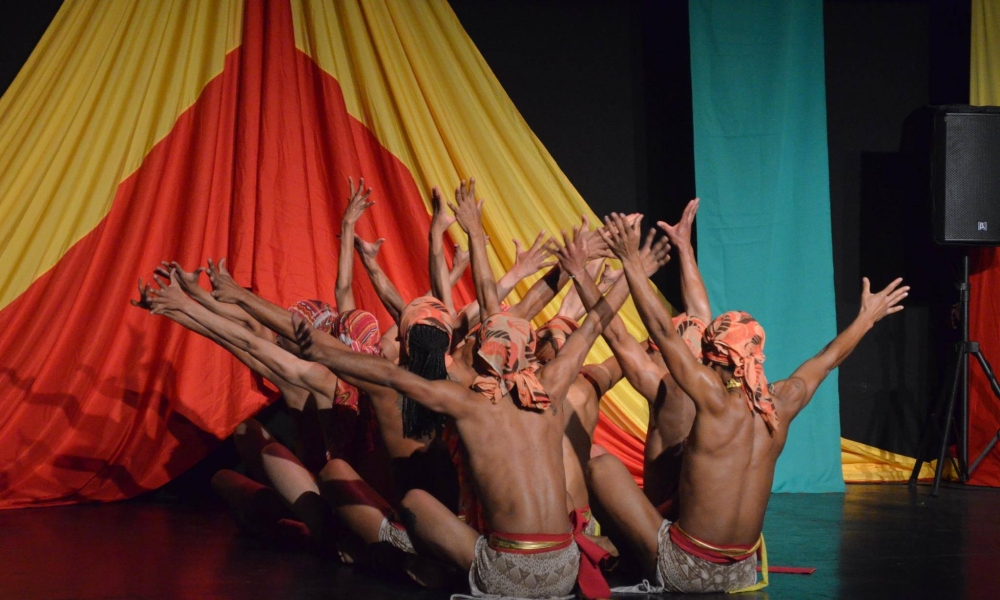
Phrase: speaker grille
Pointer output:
(967, 190)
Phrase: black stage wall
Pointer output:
(606, 87)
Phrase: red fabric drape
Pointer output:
(102, 401)
(984, 327)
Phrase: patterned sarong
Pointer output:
(500, 573)
(679, 571)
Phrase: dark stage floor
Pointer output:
(879, 541)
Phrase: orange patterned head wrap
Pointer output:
(317, 313)
(735, 339)
(507, 344)
(557, 331)
(425, 310)
(691, 329)
(359, 330)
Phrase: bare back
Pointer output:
(516, 461)
(728, 471)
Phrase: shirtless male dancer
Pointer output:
(512, 428)
(671, 411)
(729, 461)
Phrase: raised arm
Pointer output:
(546, 288)
(693, 292)
(384, 288)
(559, 373)
(145, 302)
(526, 262)
(189, 283)
(319, 381)
(356, 205)
(572, 305)
(225, 289)
(796, 391)
(442, 396)
(642, 373)
(468, 212)
(437, 264)
(698, 381)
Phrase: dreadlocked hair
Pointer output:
(426, 347)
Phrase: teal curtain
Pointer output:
(762, 173)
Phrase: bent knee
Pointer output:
(602, 464)
(416, 498)
(337, 468)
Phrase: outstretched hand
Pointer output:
(655, 253)
(170, 298)
(188, 281)
(440, 219)
(467, 210)
(573, 254)
(224, 287)
(357, 202)
(367, 250)
(530, 261)
(308, 340)
(876, 306)
(621, 236)
(680, 234)
(144, 300)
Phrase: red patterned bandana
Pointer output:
(557, 331)
(735, 339)
(507, 344)
(691, 329)
(317, 313)
(359, 330)
(422, 311)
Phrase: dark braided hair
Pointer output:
(427, 347)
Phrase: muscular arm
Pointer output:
(798, 389)
(357, 203)
(292, 369)
(693, 292)
(642, 373)
(442, 396)
(468, 212)
(384, 288)
(697, 380)
(437, 265)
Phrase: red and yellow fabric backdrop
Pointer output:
(984, 305)
(142, 131)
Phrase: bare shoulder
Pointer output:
(790, 395)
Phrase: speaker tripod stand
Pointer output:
(959, 370)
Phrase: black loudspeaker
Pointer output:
(965, 175)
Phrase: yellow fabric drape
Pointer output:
(446, 117)
(52, 193)
(984, 82)
(867, 464)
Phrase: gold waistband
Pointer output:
(501, 543)
(722, 551)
